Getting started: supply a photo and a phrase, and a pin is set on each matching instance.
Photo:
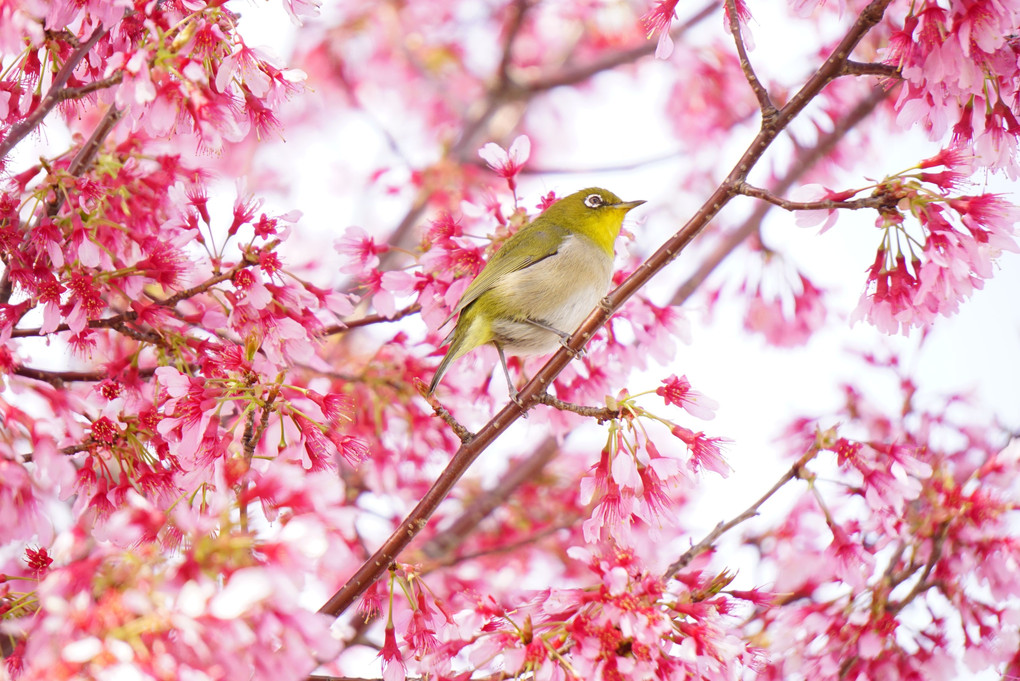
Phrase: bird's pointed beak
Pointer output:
(627, 205)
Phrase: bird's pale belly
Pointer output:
(561, 291)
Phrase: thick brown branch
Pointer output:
(87, 154)
(856, 68)
(108, 322)
(58, 378)
(517, 12)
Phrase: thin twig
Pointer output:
(877, 201)
(938, 542)
(266, 411)
(465, 435)
(105, 323)
(247, 260)
(150, 337)
(511, 547)
(768, 109)
(368, 320)
(796, 471)
(600, 414)
(87, 89)
(577, 74)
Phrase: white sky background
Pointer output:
(759, 388)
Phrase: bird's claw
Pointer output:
(575, 353)
(515, 396)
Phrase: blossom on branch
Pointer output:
(677, 391)
(658, 20)
(507, 163)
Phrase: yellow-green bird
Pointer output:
(542, 283)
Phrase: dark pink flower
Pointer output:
(658, 20)
(677, 391)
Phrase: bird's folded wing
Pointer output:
(527, 247)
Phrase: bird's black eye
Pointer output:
(593, 201)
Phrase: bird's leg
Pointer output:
(514, 395)
(564, 337)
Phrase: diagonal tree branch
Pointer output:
(807, 158)
(87, 154)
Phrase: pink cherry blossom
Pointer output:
(658, 20)
(677, 391)
(507, 163)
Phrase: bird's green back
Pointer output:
(531, 244)
(543, 236)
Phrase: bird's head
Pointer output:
(595, 212)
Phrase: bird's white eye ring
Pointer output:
(593, 201)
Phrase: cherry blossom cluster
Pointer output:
(636, 483)
(911, 525)
(114, 601)
(927, 269)
(624, 623)
(782, 303)
(170, 68)
(960, 67)
(179, 429)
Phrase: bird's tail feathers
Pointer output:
(454, 352)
